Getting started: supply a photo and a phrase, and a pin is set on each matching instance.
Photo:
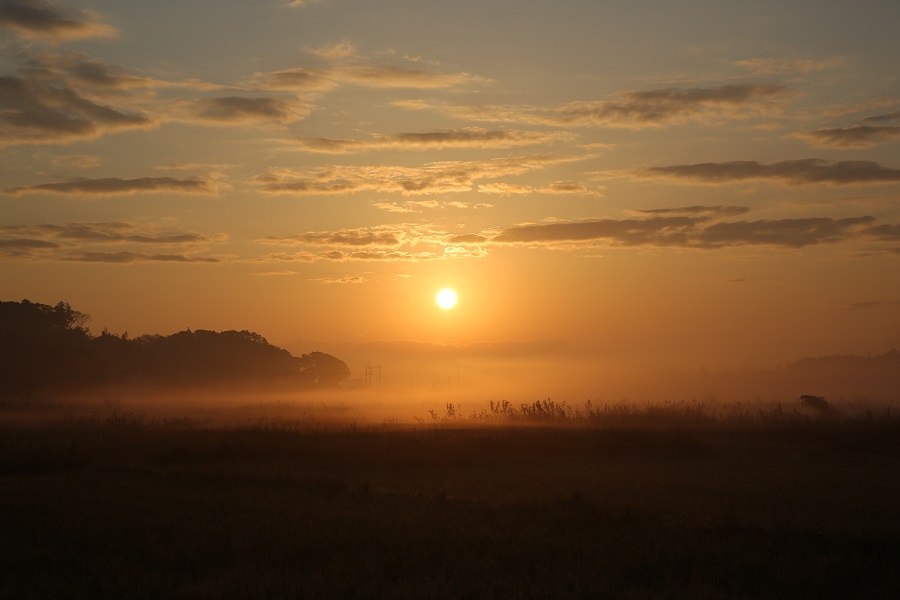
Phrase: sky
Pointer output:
(675, 185)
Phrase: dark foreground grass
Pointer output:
(122, 506)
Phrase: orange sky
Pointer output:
(712, 183)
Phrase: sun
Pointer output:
(446, 298)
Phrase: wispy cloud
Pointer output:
(124, 257)
(245, 109)
(115, 186)
(389, 243)
(767, 67)
(469, 137)
(696, 210)
(340, 280)
(856, 137)
(338, 51)
(365, 75)
(687, 232)
(870, 304)
(885, 118)
(39, 107)
(633, 109)
(432, 178)
(557, 188)
(791, 172)
(49, 22)
(89, 242)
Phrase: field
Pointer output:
(664, 501)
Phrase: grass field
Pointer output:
(662, 501)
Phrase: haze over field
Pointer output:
(618, 192)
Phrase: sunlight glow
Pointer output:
(446, 298)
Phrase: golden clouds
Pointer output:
(108, 186)
(792, 172)
(92, 242)
(634, 109)
(47, 21)
(468, 137)
(431, 178)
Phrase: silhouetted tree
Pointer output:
(45, 346)
(322, 370)
(41, 345)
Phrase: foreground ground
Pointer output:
(115, 504)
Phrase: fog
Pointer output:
(404, 391)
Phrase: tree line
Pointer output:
(50, 347)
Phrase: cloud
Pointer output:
(299, 3)
(79, 161)
(115, 186)
(80, 241)
(856, 137)
(46, 21)
(557, 188)
(433, 178)
(383, 76)
(337, 51)
(176, 166)
(241, 109)
(894, 116)
(687, 232)
(658, 231)
(297, 79)
(792, 233)
(344, 237)
(885, 233)
(871, 304)
(697, 210)
(389, 243)
(469, 137)
(340, 280)
(38, 107)
(767, 67)
(791, 172)
(371, 76)
(130, 257)
(24, 247)
(633, 109)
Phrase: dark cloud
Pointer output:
(871, 304)
(470, 137)
(859, 136)
(38, 18)
(37, 107)
(23, 247)
(792, 233)
(236, 109)
(116, 186)
(82, 242)
(893, 116)
(689, 232)
(109, 232)
(697, 210)
(793, 172)
(885, 233)
(433, 178)
(130, 257)
(658, 231)
(372, 76)
(633, 109)
(346, 237)
(381, 76)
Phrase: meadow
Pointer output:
(539, 499)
